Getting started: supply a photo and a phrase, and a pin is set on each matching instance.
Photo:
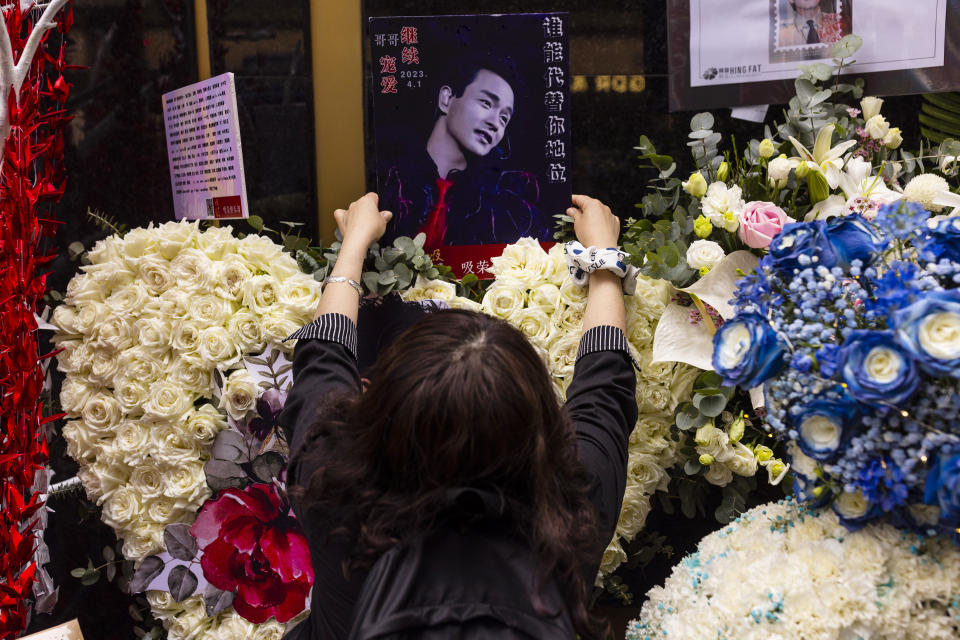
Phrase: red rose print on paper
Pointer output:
(252, 545)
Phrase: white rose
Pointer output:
(139, 545)
(277, 326)
(132, 441)
(245, 329)
(681, 386)
(163, 510)
(300, 294)
(208, 310)
(800, 462)
(572, 294)
(131, 394)
(877, 127)
(154, 273)
(167, 400)
(882, 364)
(633, 512)
(721, 202)
(128, 300)
(239, 394)
(147, 480)
(569, 318)
(563, 353)
(162, 605)
(893, 139)
(939, 335)
(88, 317)
(645, 472)
(74, 359)
(504, 299)
(465, 303)
(524, 261)
(233, 272)
(544, 295)
(193, 270)
(114, 333)
(712, 441)
(121, 508)
(533, 323)
(851, 505)
(269, 630)
(107, 478)
(83, 288)
(192, 373)
(718, 474)
(204, 424)
(234, 626)
(185, 336)
(106, 250)
(743, 462)
(187, 481)
(259, 252)
(654, 294)
(137, 243)
(557, 271)
(639, 331)
(153, 334)
(217, 242)
(870, 106)
(779, 168)
(82, 444)
(260, 293)
(733, 346)
(704, 254)
(216, 347)
(138, 363)
(172, 445)
(75, 392)
(424, 289)
(101, 412)
(653, 398)
(613, 557)
(174, 237)
(65, 318)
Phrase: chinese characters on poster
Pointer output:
(472, 130)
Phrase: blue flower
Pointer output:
(930, 330)
(828, 360)
(823, 425)
(943, 241)
(853, 238)
(902, 220)
(877, 369)
(943, 488)
(881, 481)
(802, 244)
(746, 351)
(896, 288)
(854, 509)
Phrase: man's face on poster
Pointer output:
(478, 119)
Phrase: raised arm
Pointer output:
(596, 226)
(601, 398)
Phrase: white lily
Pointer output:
(824, 159)
(948, 199)
(864, 193)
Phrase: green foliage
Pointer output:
(940, 117)
(106, 222)
(660, 248)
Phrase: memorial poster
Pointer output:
(472, 130)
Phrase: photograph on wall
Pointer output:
(774, 38)
(472, 130)
(805, 29)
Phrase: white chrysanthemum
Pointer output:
(924, 189)
(781, 572)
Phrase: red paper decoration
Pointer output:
(32, 178)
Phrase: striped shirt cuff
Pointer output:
(332, 327)
(604, 338)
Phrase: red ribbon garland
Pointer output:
(32, 178)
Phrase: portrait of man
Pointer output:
(471, 130)
(808, 22)
(455, 187)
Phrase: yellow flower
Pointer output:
(766, 148)
(702, 226)
(695, 185)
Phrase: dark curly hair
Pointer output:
(460, 399)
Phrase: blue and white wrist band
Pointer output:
(582, 261)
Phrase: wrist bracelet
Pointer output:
(350, 281)
(582, 261)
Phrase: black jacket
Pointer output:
(470, 581)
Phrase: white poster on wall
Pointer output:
(735, 41)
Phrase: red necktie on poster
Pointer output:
(436, 225)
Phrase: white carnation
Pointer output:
(721, 203)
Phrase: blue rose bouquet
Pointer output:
(853, 328)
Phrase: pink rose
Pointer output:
(759, 222)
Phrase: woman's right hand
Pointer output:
(594, 223)
(363, 223)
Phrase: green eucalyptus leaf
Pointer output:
(370, 279)
(702, 120)
(182, 582)
(256, 222)
(710, 406)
